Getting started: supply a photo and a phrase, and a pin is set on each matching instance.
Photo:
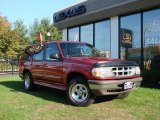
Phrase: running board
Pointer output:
(56, 86)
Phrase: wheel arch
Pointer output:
(25, 71)
(72, 75)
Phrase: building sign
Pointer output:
(70, 13)
(126, 38)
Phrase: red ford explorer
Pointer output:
(79, 69)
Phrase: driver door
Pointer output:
(53, 68)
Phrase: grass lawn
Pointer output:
(50, 104)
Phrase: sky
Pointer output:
(28, 10)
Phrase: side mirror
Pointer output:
(103, 55)
(54, 56)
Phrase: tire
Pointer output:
(28, 82)
(78, 92)
(123, 95)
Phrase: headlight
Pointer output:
(102, 72)
(138, 71)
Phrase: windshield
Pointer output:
(79, 50)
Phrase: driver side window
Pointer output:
(51, 49)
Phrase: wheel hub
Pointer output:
(27, 82)
(79, 93)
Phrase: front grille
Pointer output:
(123, 71)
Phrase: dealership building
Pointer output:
(125, 29)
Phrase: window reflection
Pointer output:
(132, 26)
(87, 34)
(102, 37)
(73, 34)
(151, 40)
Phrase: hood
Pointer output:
(89, 60)
(101, 61)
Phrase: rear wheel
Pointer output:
(78, 92)
(123, 95)
(28, 82)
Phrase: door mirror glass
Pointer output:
(54, 56)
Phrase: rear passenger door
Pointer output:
(38, 64)
(53, 69)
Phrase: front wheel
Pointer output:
(78, 92)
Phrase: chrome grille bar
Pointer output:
(123, 71)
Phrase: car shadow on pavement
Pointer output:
(41, 92)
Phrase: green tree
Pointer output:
(44, 26)
(15, 39)
(22, 32)
(34, 30)
(20, 28)
(10, 39)
(5, 37)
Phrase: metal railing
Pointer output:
(9, 66)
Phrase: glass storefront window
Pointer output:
(73, 34)
(130, 40)
(102, 37)
(151, 39)
(130, 37)
(87, 34)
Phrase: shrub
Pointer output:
(151, 78)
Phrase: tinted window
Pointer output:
(51, 49)
(131, 38)
(39, 55)
(151, 39)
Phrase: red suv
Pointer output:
(79, 69)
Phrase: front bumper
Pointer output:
(112, 87)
